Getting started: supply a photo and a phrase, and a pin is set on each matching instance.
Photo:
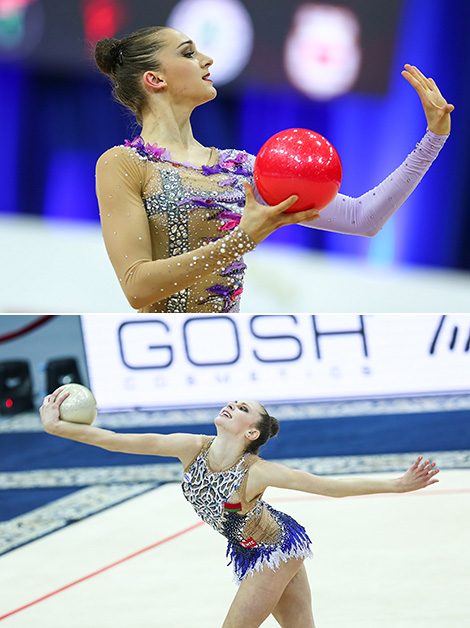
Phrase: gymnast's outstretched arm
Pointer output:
(264, 473)
(182, 446)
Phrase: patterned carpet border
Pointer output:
(29, 422)
(57, 514)
(172, 472)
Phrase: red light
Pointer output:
(102, 18)
(9, 403)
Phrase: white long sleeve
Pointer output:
(367, 214)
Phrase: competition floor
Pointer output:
(398, 561)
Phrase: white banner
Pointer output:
(168, 360)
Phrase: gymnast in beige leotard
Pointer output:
(178, 217)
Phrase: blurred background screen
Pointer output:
(354, 38)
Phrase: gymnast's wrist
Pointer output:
(240, 241)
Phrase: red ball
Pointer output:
(298, 161)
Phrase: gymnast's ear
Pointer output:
(153, 82)
(252, 434)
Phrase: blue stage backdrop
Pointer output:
(58, 116)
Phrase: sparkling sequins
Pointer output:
(187, 210)
(259, 537)
(177, 217)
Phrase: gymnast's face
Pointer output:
(239, 416)
(184, 71)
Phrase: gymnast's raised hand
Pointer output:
(436, 108)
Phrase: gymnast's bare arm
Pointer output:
(263, 474)
(182, 446)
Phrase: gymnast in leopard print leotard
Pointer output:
(224, 480)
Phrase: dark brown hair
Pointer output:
(125, 61)
(268, 427)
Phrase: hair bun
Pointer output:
(106, 55)
(274, 427)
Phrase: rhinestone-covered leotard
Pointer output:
(257, 534)
(172, 231)
(153, 208)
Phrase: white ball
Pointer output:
(80, 405)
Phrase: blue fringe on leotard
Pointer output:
(294, 543)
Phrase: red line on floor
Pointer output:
(95, 573)
(200, 523)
